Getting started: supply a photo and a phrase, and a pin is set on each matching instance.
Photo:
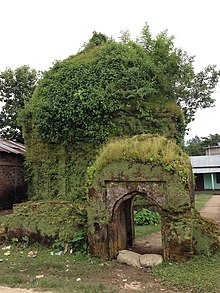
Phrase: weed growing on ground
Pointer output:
(200, 200)
(63, 273)
(200, 274)
(141, 231)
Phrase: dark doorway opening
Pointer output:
(133, 234)
(199, 180)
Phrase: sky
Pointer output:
(38, 32)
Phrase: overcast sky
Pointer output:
(38, 32)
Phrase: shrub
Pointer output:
(146, 217)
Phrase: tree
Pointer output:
(196, 145)
(96, 40)
(109, 89)
(108, 86)
(176, 76)
(16, 89)
(211, 140)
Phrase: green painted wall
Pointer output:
(208, 181)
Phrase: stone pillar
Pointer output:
(177, 235)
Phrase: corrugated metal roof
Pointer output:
(205, 161)
(206, 170)
(205, 164)
(9, 146)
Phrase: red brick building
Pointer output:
(12, 185)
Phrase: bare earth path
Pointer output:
(15, 290)
(211, 209)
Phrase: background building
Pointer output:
(12, 184)
(207, 170)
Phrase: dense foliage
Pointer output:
(146, 217)
(112, 89)
(16, 89)
(109, 89)
(196, 145)
(102, 93)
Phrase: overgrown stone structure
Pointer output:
(146, 165)
(153, 167)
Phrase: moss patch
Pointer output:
(148, 149)
(146, 158)
(45, 220)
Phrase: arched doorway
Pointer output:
(121, 226)
(123, 218)
(154, 168)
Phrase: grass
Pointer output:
(56, 273)
(200, 200)
(200, 274)
(146, 229)
(60, 273)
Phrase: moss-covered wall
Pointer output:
(45, 221)
(157, 169)
(57, 171)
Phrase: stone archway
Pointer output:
(118, 233)
(151, 166)
(121, 226)
(123, 220)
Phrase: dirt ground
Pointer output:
(11, 290)
(211, 209)
(151, 243)
(130, 279)
(124, 279)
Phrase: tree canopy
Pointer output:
(109, 89)
(121, 88)
(16, 89)
(196, 145)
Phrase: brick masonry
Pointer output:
(12, 184)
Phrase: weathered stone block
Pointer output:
(129, 258)
(137, 260)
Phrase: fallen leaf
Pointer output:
(32, 254)
(65, 248)
(6, 247)
(39, 276)
(59, 253)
